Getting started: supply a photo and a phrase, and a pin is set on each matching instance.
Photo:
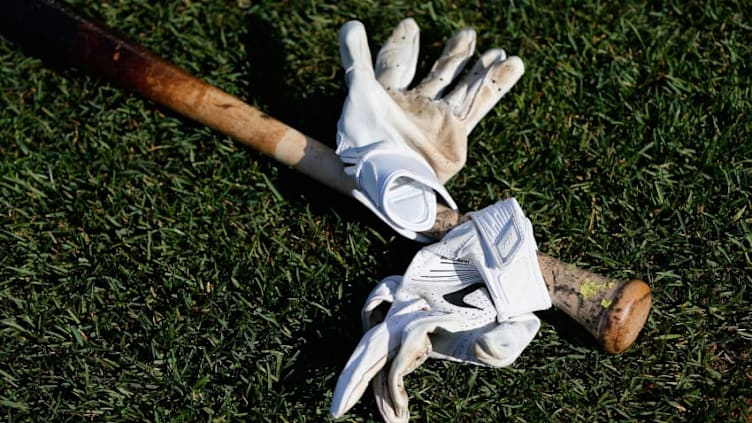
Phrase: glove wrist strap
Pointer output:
(400, 188)
(511, 268)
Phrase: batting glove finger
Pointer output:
(487, 89)
(457, 52)
(398, 58)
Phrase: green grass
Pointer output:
(153, 270)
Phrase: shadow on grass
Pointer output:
(268, 85)
(315, 116)
(567, 329)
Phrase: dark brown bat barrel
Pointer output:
(49, 30)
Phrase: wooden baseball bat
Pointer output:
(613, 311)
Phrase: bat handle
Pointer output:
(613, 311)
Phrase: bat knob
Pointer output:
(625, 316)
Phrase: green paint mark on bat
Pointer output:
(591, 289)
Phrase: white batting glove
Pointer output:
(402, 145)
(468, 298)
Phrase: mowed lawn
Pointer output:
(153, 270)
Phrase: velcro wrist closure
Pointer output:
(511, 267)
(400, 187)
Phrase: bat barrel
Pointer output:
(53, 32)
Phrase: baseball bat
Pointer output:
(613, 311)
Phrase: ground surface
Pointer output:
(153, 270)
